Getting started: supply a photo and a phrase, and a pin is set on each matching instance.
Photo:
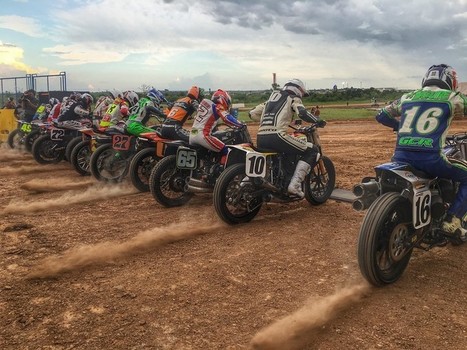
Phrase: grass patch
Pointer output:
(333, 114)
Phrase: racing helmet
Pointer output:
(53, 101)
(222, 98)
(87, 99)
(296, 87)
(156, 96)
(131, 97)
(196, 93)
(116, 94)
(442, 76)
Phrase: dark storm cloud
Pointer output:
(414, 24)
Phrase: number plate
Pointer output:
(121, 142)
(57, 134)
(26, 127)
(255, 165)
(186, 158)
(421, 209)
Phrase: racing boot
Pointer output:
(301, 171)
(453, 227)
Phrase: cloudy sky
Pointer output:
(231, 44)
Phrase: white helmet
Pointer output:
(131, 97)
(297, 87)
(116, 94)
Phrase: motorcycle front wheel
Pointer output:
(15, 139)
(167, 183)
(81, 157)
(321, 181)
(141, 166)
(234, 196)
(384, 246)
(107, 164)
(47, 151)
(30, 138)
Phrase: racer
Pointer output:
(211, 112)
(182, 109)
(422, 119)
(118, 110)
(141, 114)
(55, 111)
(29, 103)
(275, 116)
(73, 113)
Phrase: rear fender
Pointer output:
(413, 185)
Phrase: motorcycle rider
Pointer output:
(421, 119)
(182, 109)
(55, 111)
(117, 110)
(102, 104)
(141, 113)
(275, 116)
(210, 112)
(74, 112)
(29, 103)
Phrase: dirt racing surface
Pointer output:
(85, 265)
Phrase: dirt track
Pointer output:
(87, 266)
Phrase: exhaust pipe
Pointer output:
(198, 186)
(363, 203)
(366, 189)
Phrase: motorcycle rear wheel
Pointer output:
(384, 247)
(233, 199)
(167, 183)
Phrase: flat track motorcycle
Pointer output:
(186, 170)
(54, 144)
(25, 134)
(110, 162)
(406, 209)
(254, 176)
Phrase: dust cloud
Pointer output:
(106, 252)
(8, 154)
(54, 185)
(301, 327)
(92, 193)
(28, 169)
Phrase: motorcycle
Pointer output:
(17, 138)
(254, 176)
(185, 169)
(55, 144)
(25, 134)
(406, 209)
(110, 161)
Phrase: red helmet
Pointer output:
(222, 98)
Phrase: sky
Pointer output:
(230, 44)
